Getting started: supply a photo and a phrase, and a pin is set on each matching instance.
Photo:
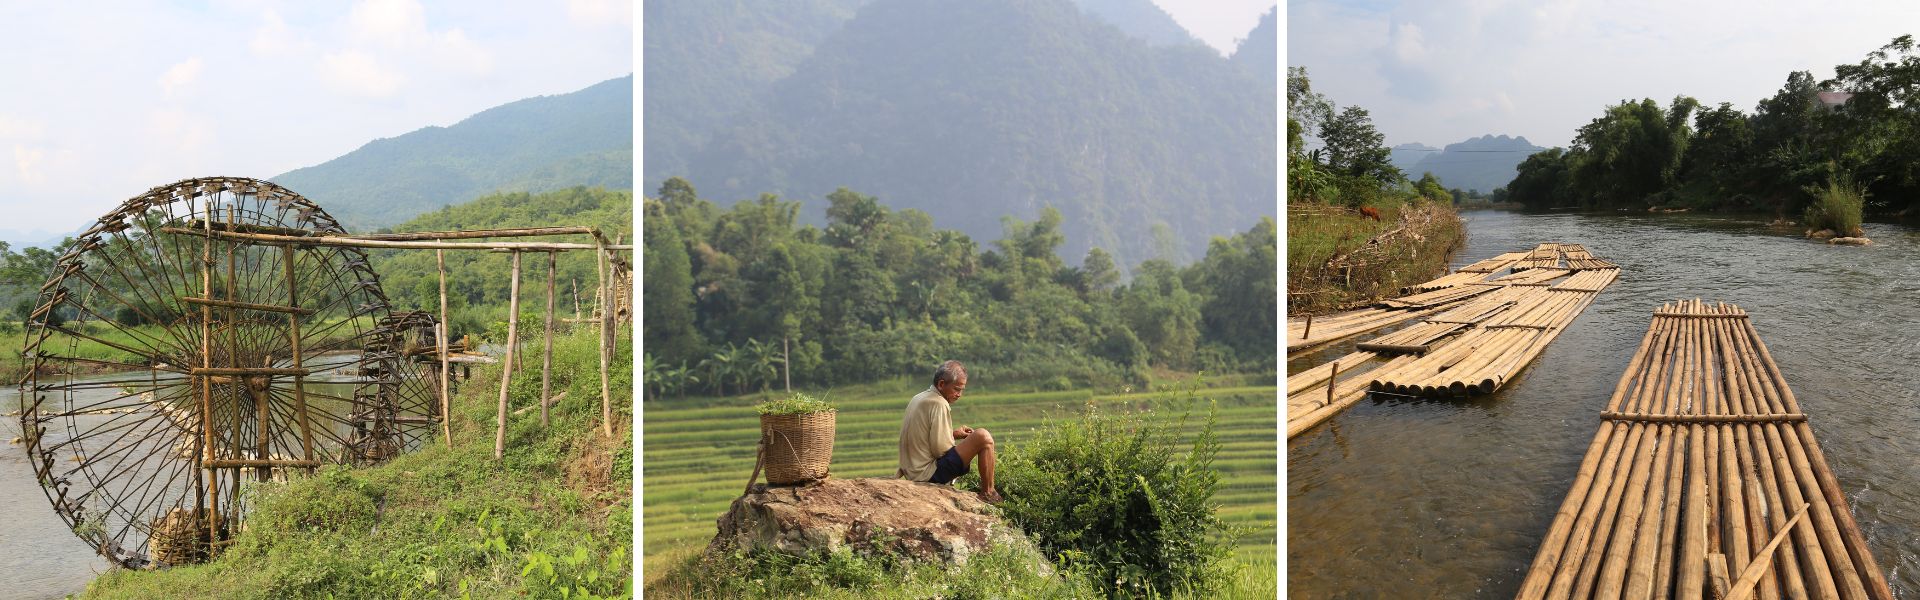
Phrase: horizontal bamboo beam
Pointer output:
(256, 462)
(1393, 348)
(473, 233)
(1679, 315)
(242, 371)
(247, 305)
(1655, 418)
(355, 242)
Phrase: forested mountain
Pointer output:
(477, 281)
(1259, 52)
(1481, 163)
(1141, 19)
(977, 110)
(706, 61)
(537, 144)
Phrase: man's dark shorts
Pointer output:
(949, 467)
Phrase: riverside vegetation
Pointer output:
(1787, 157)
(553, 519)
(1337, 254)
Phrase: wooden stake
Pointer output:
(546, 356)
(506, 371)
(606, 344)
(446, 404)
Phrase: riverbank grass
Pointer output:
(1317, 234)
(552, 519)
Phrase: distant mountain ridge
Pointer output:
(1480, 163)
(583, 138)
(1141, 19)
(976, 110)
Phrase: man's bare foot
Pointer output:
(990, 496)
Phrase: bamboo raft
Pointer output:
(1493, 351)
(1543, 256)
(1704, 480)
(1469, 347)
(1427, 298)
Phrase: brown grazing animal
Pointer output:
(1370, 212)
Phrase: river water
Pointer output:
(39, 557)
(1449, 499)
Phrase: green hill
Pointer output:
(1259, 52)
(537, 144)
(972, 111)
(1141, 19)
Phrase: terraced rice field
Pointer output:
(698, 452)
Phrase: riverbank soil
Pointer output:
(1337, 257)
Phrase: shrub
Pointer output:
(1837, 206)
(1112, 496)
(797, 404)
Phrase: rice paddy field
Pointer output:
(699, 451)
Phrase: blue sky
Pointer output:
(1441, 72)
(99, 105)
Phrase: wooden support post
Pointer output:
(446, 427)
(546, 356)
(506, 371)
(786, 362)
(299, 381)
(206, 383)
(1307, 332)
(1331, 379)
(606, 328)
(576, 300)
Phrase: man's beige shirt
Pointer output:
(925, 434)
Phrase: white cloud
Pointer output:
(17, 128)
(601, 12)
(180, 76)
(359, 74)
(455, 50)
(391, 22)
(273, 37)
(27, 162)
(1408, 44)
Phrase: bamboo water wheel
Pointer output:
(170, 366)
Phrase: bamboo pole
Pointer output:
(446, 400)
(294, 341)
(606, 342)
(546, 356)
(465, 234)
(359, 242)
(1743, 589)
(506, 371)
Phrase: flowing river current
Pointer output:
(1400, 498)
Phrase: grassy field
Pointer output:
(699, 451)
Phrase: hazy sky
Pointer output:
(1219, 23)
(1441, 72)
(98, 105)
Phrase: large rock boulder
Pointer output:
(917, 521)
(1851, 241)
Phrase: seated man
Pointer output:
(927, 449)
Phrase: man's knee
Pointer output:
(986, 438)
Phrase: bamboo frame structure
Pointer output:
(506, 370)
(1656, 501)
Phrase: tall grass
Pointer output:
(1317, 234)
(1837, 206)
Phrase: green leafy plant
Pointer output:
(796, 404)
(1116, 497)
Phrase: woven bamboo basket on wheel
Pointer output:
(797, 448)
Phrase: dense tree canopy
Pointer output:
(1862, 125)
(879, 293)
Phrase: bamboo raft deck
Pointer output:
(1471, 346)
(1426, 298)
(1704, 480)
